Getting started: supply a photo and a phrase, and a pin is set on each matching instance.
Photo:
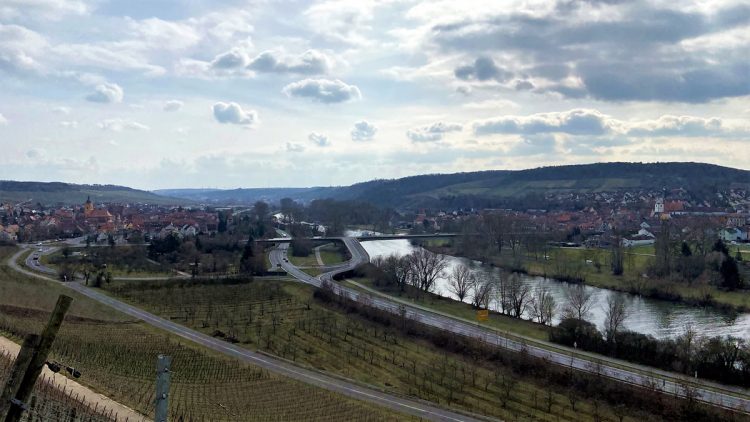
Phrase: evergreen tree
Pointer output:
(730, 274)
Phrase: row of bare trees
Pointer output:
(506, 293)
(420, 269)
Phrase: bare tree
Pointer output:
(426, 267)
(543, 305)
(519, 294)
(461, 281)
(579, 302)
(396, 268)
(481, 291)
(616, 311)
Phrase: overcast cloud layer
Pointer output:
(243, 93)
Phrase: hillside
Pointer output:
(502, 187)
(54, 193)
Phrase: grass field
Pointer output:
(330, 255)
(117, 357)
(283, 318)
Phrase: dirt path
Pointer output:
(123, 412)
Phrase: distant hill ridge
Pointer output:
(499, 187)
(53, 193)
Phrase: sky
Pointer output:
(238, 93)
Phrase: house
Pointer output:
(638, 240)
(733, 234)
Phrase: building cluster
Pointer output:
(636, 217)
(118, 221)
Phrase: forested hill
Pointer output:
(504, 187)
(54, 193)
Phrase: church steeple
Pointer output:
(88, 206)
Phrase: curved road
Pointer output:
(719, 395)
(400, 404)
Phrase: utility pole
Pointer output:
(163, 376)
(36, 353)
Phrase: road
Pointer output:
(279, 366)
(671, 383)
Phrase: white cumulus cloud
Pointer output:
(173, 105)
(573, 122)
(106, 93)
(323, 90)
(433, 132)
(363, 131)
(118, 125)
(311, 62)
(294, 147)
(3, 120)
(232, 113)
(318, 139)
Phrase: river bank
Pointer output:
(651, 288)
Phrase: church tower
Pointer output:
(88, 206)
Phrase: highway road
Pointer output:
(403, 405)
(671, 383)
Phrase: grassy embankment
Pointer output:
(289, 320)
(593, 266)
(116, 356)
(462, 310)
(329, 254)
(141, 267)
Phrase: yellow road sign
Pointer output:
(483, 315)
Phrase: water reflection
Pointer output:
(658, 318)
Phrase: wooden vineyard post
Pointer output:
(39, 353)
(163, 377)
(20, 366)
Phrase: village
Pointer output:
(590, 219)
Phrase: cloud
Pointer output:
(232, 59)
(642, 52)
(45, 9)
(678, 126)
(294, 147)
(483, 69)
(363, 131)
(318, 139)
(592, 124)
(3, 120)
(106, 93)
(20, 49)
(69, 124)
(61, 110)
(574, 122)
(232, 113)
(173, 105)
(323, 90)
(433, 132)
(118, 125)
(311, 62)
(36, 154)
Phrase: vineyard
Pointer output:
(51, 401)
(284, 318)
(117, 357)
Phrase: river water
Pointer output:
(660, 319)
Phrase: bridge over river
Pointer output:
(363, 238)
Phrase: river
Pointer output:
(658, 318)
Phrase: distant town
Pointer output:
(636, 215)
